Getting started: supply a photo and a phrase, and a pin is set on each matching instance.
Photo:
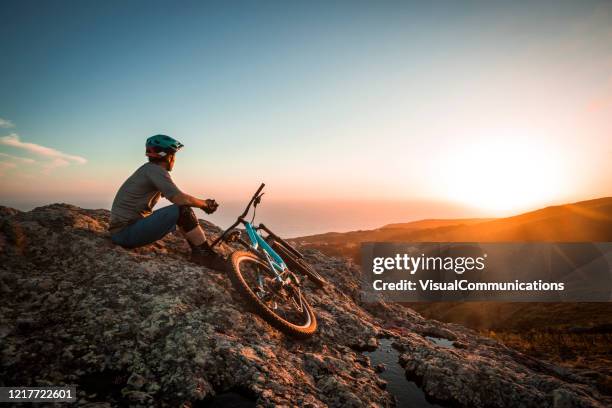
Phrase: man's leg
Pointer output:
(201, 252)
(149, 229)
(165, 220)
(190, 227)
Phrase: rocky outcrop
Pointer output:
(145, 327)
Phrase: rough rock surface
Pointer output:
(146, 327)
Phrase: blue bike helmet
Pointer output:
(159, 146)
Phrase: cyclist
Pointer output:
(133, 222)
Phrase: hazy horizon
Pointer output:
(301, 218)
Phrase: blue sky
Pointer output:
(327, 100)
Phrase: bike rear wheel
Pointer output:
(283, 306)
(296, 264)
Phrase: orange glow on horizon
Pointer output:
(503, 176)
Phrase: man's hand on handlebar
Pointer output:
(210, 206)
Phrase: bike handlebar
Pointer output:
(244, 214)
(248, 207)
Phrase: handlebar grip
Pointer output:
(259, 189)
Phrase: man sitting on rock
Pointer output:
(134, 224)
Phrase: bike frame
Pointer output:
(274, 259)
(257, 243)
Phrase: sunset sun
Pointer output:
(503, 176)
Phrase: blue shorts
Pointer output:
(148, 229)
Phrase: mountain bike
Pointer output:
(266, 274)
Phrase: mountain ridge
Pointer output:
(589, 221)
(434, 223)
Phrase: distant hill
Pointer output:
(389, 232)
(585, 221)
(589, 221)
(435, 223)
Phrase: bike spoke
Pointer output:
(283, 299)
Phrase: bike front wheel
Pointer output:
(281, 305)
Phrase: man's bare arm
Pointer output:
(186, 199)
(209, 205)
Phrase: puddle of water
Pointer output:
(441, 341)
(406, 392)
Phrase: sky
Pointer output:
(355, 114)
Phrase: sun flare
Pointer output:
(503, 176)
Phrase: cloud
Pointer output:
(5, 123)
(12, 162)
(59, 158)
(17, 158)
